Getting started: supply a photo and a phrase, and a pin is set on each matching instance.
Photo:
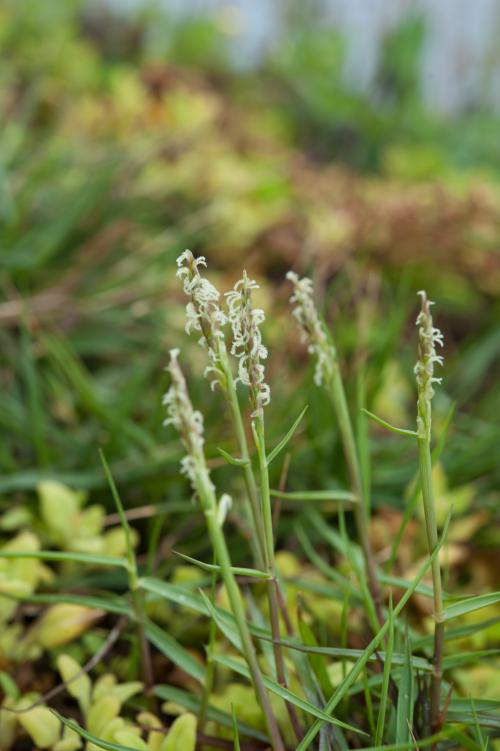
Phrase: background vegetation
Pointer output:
(124, 141)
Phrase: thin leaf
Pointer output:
(110, 604)
(285, 693)
(470, 604)
(384, 693)
(107, 745)
(174, 651)
(60, 555)
(399, 431)
(342, 496)
(236, 736)
(281, 445)
(235, 461)
(404, 709)
(121, 513)
(419, 663)
(237, 570)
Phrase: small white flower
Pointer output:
(247, 344)
(313, 329)
(187, 421)
(203, 312)
(429, 336)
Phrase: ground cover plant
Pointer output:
(296, 595)
(396, 690)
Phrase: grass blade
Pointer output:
(68, 556)
(286, 438)
(213, 567)
(384, 693)
(470, 604)
(284, 693)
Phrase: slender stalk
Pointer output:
(424, 372)
(250, 484)
(273, 586)
(432, 538)
(338, 398)
(189, 424)
(233, 593)
(327, 373)
(210, 668)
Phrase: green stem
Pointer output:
(337, 395)
(425, 464)
(209, 505)
(272, 587)
(210, 669)
(257, 540)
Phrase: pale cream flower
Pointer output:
(247, 345)
(203, 312)
(313, 329)
(429, 336)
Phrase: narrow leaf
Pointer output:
(399, 431)
(384, 693)
(60, 555)
(107, 745)
(404, 709)
(343, 496)
(470, 605)
(236, 736)
(281, 445)
(237, 570)
(235, 461)
(174, 651)
(285, 693)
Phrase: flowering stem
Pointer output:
(257, 540)
(338, 398)
(189, 423)
(207, 498)
(432, 540)
(429, 336)
(273, 593)
(210, 667)
(327, 373)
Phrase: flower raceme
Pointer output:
(187, 421)
(313, 329)
(429, 336)
(247, 345)
(203, 313)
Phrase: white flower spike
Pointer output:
(203, 312)
(187, 421)
(247, 345)
(429, 336)
(313, 329)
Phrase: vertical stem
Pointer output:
(250, 484)
(272, 587)
(208, 501)
(339, 401)
(425, 463)
(146, 661)
(210, 669)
